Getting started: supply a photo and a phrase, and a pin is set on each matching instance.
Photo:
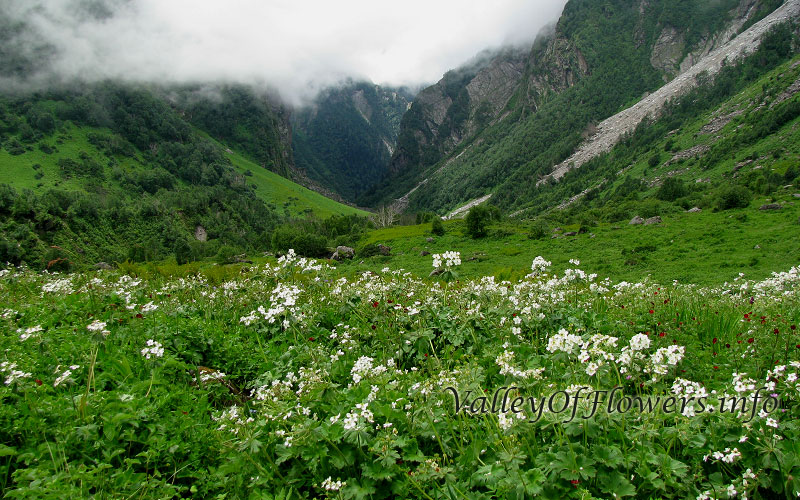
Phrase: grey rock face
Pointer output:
(636, 221)
(343, 252)
(653, 220)
(770, 206)
(695, 210)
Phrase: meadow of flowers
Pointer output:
(290, 380)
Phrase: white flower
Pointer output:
(149, 307)
(539, 265)
(331, 485)
(96, 326)
(153, 349)
(640, 342)
(450, 259)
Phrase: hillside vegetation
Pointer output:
(113, 172)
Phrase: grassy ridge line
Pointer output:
(706, 248)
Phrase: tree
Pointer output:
(478, 221)
(437, 227)
(385, 216)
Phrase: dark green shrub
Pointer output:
(477, 221)
(539, 231)
(672, 189)
(437, 227)
(733, 197)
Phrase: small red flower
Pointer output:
(38, 382)
(373, 327)
(311, 339)
(716, 367)
(426, 354)
(728, 346)
(651, 311)
(793, 327)
(375, 304)
(776, 331)
(750, 340)
(574, 481)
(139, 315)
(661, 334)
(714, 341)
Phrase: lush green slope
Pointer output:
(706, 248)
(114, 172)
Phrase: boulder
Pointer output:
(695, 210)
(770, 206)
(636, 221)
(200, 233)
(571, 233)
(436, 272)
(343, 252)
(429, 239)
(103, 266)
(384, 250)
(796, 195)
(653, 220)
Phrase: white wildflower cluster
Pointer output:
(211, 376)
(665, 357)
(64, 376)
(364, 367)
(737, 487)
(59, 285)
(564, 341)
(29, 332)
(12, 374)
(595, 352)
(742, 384)
(153, 349)
(639, 342)
(232, 420)
(149, 307)
(283, 300)
(98, 326)
(353, 418)
(683, 387)
(505, 362)
(728, 456)
(506, 420)
(450, 259)
(331, 485)
(539, 266)
(8, 313)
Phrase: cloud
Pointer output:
(294, 46)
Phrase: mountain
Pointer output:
(345, 138)
(600, 58)
(115, 171)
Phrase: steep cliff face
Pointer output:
(598, 59)
(461, 104)
(343, 141)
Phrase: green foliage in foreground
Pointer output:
(292, 381)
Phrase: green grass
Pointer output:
(289, 197)
(705, 248)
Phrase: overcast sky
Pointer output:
(295, 46)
